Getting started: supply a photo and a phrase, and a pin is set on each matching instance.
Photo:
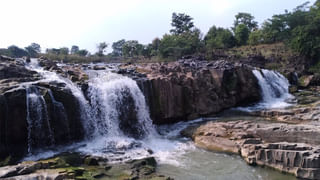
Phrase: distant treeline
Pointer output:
(299, 29)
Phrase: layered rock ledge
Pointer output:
(289, 148)
(60, 106)
(188, 89)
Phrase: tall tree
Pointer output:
(242, 34)
(15, 51)
(155, 47)
(219, 38)
(181, 23)
(178, 45)
(74, 49)
(64, 51)
(83, 52)
(132, 48)
(101, 48)
(33, 49)
(117, 47)
(306, 37)
(246, 19)
(256, 37)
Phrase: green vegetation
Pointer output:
(298, 30)
(219, 38)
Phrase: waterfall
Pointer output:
(60, 113)
(39, 128)
(48, 76)
(113, 110)
(274, 88)
(118, 106)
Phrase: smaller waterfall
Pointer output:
(60, 113)
(274, 88)
(48, 76)
(39, 128)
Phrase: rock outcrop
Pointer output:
(188, 89)
(306, 109)
(288, 148)
(78, 166)
(61, 115)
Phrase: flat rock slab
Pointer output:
(289, 148)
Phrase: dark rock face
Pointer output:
(128, 117)
(62, 115)
(190, 89)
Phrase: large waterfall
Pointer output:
(118, 106)
(274, 89)
(113, 111)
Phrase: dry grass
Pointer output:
(269, 51)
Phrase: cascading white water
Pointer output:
(108, 93)
(48, 76)
(37, 117)
(274, 88)
(112, 97)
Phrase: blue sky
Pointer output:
(63, 23)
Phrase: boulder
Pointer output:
(305, 81)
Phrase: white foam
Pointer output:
(274, 89)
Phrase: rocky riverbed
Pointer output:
(104, 110)
(287, 140)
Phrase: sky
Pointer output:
(63, 23)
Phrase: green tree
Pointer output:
(256, 37)
(33, 49)
(101, 48)
(242, 34)
(181, 23)
(146, 51)
(281, 26)
(178, 45)
(219, 38)
(74, 49)
(132, 48)
(64, 51)
(305, 38)
(83, 52)
(155, 47)
(275, 29)
(15, 51)
(246, 19)
(117, 47)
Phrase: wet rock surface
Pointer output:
(188, 89)
(59, 109)
(306, 108)
(288, 148)
(79, 166)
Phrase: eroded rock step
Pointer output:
(289, 148)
